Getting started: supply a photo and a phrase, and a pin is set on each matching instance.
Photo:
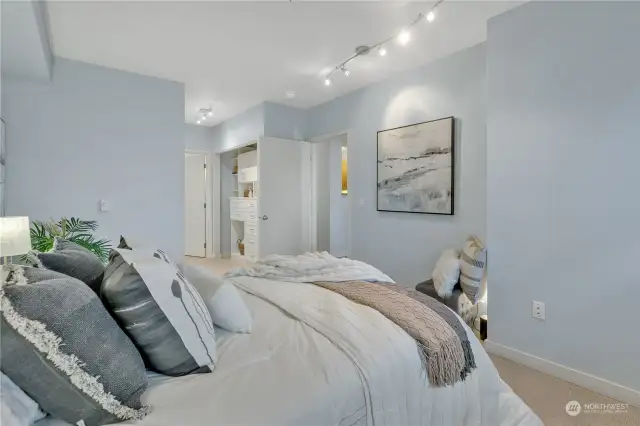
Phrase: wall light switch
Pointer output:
(104, 206)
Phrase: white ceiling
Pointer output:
(234, 55)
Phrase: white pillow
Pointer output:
(18, 409)
(446, 273)
(223, 300)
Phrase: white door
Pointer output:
(280, 196)
(195, 209)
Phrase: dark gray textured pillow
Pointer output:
(61, 346)
(124, 244)
(162, 313)
(74, 260)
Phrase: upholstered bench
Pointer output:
(462, 306)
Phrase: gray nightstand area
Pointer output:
(427, 288)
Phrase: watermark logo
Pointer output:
(573, 408)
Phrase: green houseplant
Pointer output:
(73, 229)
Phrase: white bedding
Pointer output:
(312, 267)
(287, 373)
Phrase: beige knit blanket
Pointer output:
(442, 342)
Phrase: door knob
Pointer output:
(265, 217)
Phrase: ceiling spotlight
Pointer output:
(345, 71)
(204, 117)
(382, 51)
(290, 94)
(198, 122)
(210, 113)
(404, 37)
(431, 16)
(327, 82)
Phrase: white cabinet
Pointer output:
(248, 159)
(247, 174)
(244, 212)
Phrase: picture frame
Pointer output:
(416, 168)
(3, 144)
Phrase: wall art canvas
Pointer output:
(416, 168)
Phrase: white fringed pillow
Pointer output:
(446, 273)
(473, 266)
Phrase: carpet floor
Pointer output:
(547, 396)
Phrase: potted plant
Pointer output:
(72, 229)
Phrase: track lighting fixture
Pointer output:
(203, 115)
(403, 37)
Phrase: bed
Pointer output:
(290, 372)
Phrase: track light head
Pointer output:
(404, 37)
(431, 16)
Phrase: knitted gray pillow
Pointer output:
(61, 346)
(74, 260)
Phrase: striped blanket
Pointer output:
(442, 342)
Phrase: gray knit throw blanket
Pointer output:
(442, 342)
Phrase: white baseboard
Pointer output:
(585, 380)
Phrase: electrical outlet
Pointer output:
(538, 310)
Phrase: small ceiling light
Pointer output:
(382, 51)
(345, 71)
(198, 122)
(404, 37)
(290, 94)
(204, 117)
(327, 82)
(210, 113)
(431, 16)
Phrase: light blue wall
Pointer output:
(404, 245)
(198, 138)
(281, 121)
(563, 149)
(239, 130)
(96, 133)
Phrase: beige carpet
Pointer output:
(548, 396)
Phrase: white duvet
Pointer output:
(312, 267)
(315, 358)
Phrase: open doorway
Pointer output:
(197, 204)
(331, 227)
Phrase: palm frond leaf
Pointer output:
(71, 226)
(73, 229)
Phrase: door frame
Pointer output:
(210, 181)
(217, 206)
(313, 204)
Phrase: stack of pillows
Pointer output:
(90, 331)
(466, 269)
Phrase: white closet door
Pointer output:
(280, 196)
(195, 204)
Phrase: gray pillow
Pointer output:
(74, 260)
(61, 346)
(162, 313)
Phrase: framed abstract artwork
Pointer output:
(3, 158)
(416, 168)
